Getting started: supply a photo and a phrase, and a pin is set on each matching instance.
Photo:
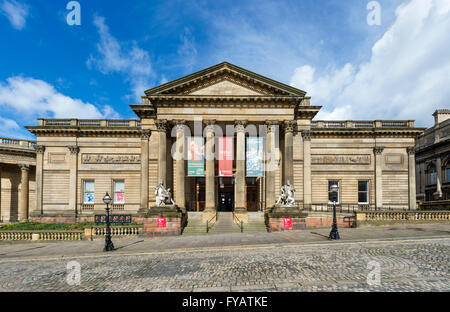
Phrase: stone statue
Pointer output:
(163, 196)
(287, 197)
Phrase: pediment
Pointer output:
(225, 79)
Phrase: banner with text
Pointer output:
(254, 157)
(225, 156)
(196, 159)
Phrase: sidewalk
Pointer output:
(54, 249)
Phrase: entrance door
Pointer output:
(226, 195)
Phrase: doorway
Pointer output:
(226, 194)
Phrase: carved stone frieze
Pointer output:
(110, 159)
(341, 159)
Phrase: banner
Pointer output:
(225, 156)
(254, 157)
(196, 159)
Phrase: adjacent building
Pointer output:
(223, 138)
(433, 160)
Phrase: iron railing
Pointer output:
(208, 226)
(238, 222)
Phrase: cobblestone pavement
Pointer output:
(414, 264)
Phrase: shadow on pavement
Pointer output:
(128, 245)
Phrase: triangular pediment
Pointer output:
(225, 79)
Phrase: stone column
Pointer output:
(423, 178)
(239, 179)
(40, 149)
(145, 136)
(161, 126)
(438, 193)
(307, 191)
(23, 199)
(73, 167)
(271, 163)
(411, 177)
(378, 151)
(288, 157)
(210, 189)
(180, 172)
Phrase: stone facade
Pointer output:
(432, 154)
(17, 179)
(80, 159)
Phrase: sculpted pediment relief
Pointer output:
(224, 87)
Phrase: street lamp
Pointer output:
(334, 234)
(108, 243)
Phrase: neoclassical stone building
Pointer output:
(270, 139)
(17, 179)
(433, 159)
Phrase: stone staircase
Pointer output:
(195, 225)
(224, 224)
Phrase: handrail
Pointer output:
(240, 223)
(207, 222)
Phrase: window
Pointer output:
(88, 191)
(432, 177)
(447, 174)
(363, 192)
(330, 194)
(119, 192)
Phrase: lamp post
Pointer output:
(108, 243)
(334, 234)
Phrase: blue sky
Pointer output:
(396, 70)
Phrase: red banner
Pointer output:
(225, 157)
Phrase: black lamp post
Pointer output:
(334, 234)
(108, 243)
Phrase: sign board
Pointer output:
(161, 222)
(113, 218)
(287, 223)
(196, 158)
(225, 156)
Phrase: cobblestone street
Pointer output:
(406, 264)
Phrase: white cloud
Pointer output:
(134, 63)
(15, 12)
(187, 50)
(32, 98)
(407, 76)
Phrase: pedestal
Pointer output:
(285, 218)
(163, 221)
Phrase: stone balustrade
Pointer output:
(41, 235)
(115, 231)
(363, 124)
(89, 123)
(402, 215)
(16, 143)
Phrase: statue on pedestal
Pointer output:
(163, 196)
(287, 197)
